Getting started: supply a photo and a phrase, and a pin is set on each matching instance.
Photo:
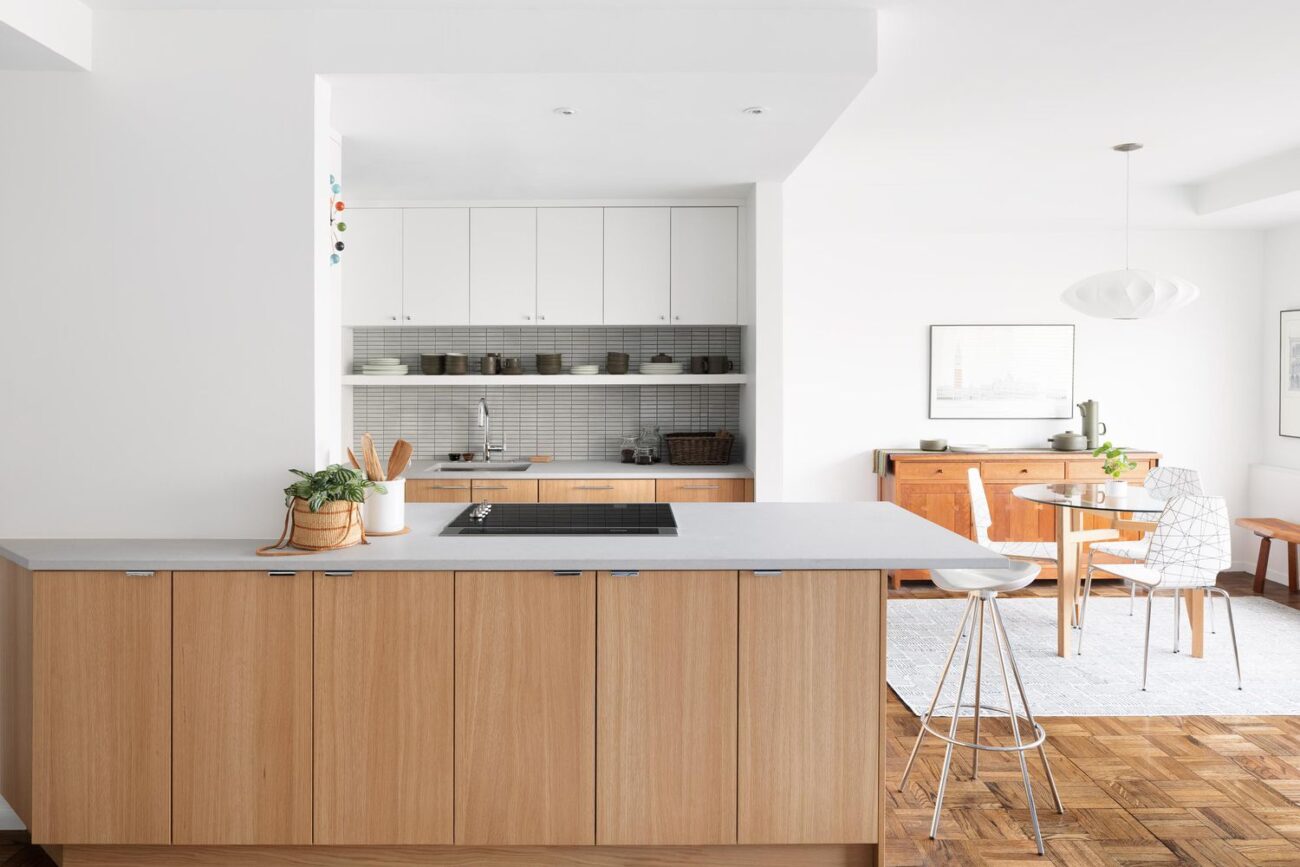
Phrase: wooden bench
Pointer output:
(1268, 529)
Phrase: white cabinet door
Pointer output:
(636, 266)
(502, 266)
(435, 266)
(372, 267)
(704, 244)
(570, 269)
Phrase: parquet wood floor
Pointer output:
(1221, 791)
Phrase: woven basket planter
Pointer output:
(337, 525)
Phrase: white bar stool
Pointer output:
(982, 587)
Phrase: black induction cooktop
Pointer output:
(564, 519)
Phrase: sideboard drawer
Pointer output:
(1014, 471)
(934, 470)
(1091, 471)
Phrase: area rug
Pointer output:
(1107, 679)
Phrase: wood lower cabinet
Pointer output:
(811, 710)
(102, 707)
(702, 491)
(504, 490)
(383, 697)
(596, 491)
(242, 695)
(438, 491)
(525, 708)
(666, 709)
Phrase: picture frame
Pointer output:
(1288, 385)
(1002, 371)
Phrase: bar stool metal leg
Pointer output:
(1020, 753)
(952, 736)
(979, 678)
(947, 666)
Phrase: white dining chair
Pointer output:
(981, 518)
(1190, 546)
(1162, 483)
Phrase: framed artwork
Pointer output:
(1288, 399)
(1002, 371)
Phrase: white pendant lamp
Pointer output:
(1129, 293)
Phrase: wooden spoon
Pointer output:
(353, 459)
(374, 470)
(398, 460)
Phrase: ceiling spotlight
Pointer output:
(566, 111)
(754, 110)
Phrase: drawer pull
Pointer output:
(338, 574)
(768, 573)
(1024, 470)
(449, 487)
(699, 487)
(139, 574)
(280, 574)
(625, 573)
(566, 573)
(492, 487)
(593, 487)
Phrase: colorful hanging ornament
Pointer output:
(336, 225)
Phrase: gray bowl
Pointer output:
(934, 445)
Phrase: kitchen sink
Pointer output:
(480, 467)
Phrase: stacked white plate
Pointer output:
(585, 369)
(662, 368)
(383, 367)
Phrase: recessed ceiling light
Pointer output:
(754, 110)
(566, 111)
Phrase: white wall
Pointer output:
(1275, 481)
(858, 307)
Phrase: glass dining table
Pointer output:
(1073, 500)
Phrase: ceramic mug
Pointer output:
(720, 364)
(699, 364)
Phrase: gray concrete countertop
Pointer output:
(711, 536)
(423, 469)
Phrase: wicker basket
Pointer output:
(338, 524)
(697, 449)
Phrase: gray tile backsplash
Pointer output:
(566, 422)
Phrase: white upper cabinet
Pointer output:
(636, 266)
(705, 245)
(502, 266)
(372, 267)
(570, 269)
(435, 266)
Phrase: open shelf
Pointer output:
(559, 379)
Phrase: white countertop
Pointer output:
(711, 536)
(423, 469)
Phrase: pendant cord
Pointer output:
(1128, 194)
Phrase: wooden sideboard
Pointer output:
(933, 485)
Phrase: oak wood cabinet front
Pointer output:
(241, 729)
(525, 708)
(666, 709)
(101, 739)
(383, 719)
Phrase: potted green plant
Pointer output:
(1115, 465)
(325, 509)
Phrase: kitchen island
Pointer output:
(715, 697)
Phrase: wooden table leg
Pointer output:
(1292, 575)
(1261, 565)
(1196, 616)
(1067, 576)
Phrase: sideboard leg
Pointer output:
(1261, 566)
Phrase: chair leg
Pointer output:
(1083, 610)
(1232, 629)
(947, 666)
(1015, 733)
(1146, 652)
(979, 679)
(1024, 699)
(952, 735)
(1132, 597)
(1209, 601)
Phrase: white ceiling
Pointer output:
(458, 137)
(1003, 111)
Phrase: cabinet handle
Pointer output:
(527, 317)
(139, 574)
(677, 318)
(409, 317)
(1024, 469)
(394, 318)
(699, 487)
(280, 574)
(338, 574)
(566, 573)
(768, 573)
(492, 487)
(449, 487)
(593, 487)
(540, 317)
(662, 317)
(625, 573)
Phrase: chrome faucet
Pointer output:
(485, 422)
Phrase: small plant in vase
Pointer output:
(1115, 465)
